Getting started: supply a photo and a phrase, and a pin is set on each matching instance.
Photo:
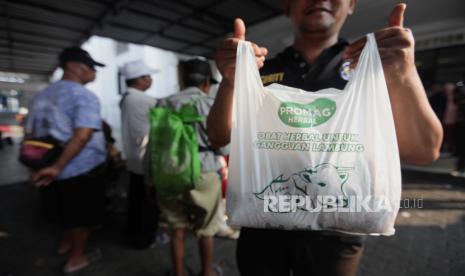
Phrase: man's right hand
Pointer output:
(220, 117)
(45, 176)
(225, 56)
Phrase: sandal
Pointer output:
(63, 249)
(76, 268)
(91, 258)
(217, 269)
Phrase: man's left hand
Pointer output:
(419, 132)
(395, 45)
(45, 176)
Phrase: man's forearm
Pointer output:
(220, 117)
(419, 132)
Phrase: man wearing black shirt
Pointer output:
(291, 69)
(316, 61)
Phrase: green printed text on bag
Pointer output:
(174, 151)
(307, 115)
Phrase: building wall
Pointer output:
(107, 85)
(114, 55)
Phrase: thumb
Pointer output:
(239, 29)
(396, 18)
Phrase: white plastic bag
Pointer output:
(326, 160)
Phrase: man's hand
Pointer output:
(45, 176)
(395, 45)
(220, 116)
(418, 130)
(225, 56)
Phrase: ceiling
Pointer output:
(32, 32)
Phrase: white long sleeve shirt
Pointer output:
(135, 127)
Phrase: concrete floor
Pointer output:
(429, 240)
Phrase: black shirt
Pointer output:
(290, 68)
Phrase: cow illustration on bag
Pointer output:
(314, 183)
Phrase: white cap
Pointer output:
(135, 69)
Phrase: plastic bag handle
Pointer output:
(369, 57)
(245, 62)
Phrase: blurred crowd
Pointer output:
(448, 102)
(66, 116)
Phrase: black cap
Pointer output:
(196, 71)
(79, 55)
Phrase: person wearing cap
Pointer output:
(198, 207)
(72, 188)
(135, 105)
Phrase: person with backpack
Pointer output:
(193, 204)
(141, 214)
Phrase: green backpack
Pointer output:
(174, 151)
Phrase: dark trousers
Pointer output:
(266, 252)
(142, 214)
(76, 202)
